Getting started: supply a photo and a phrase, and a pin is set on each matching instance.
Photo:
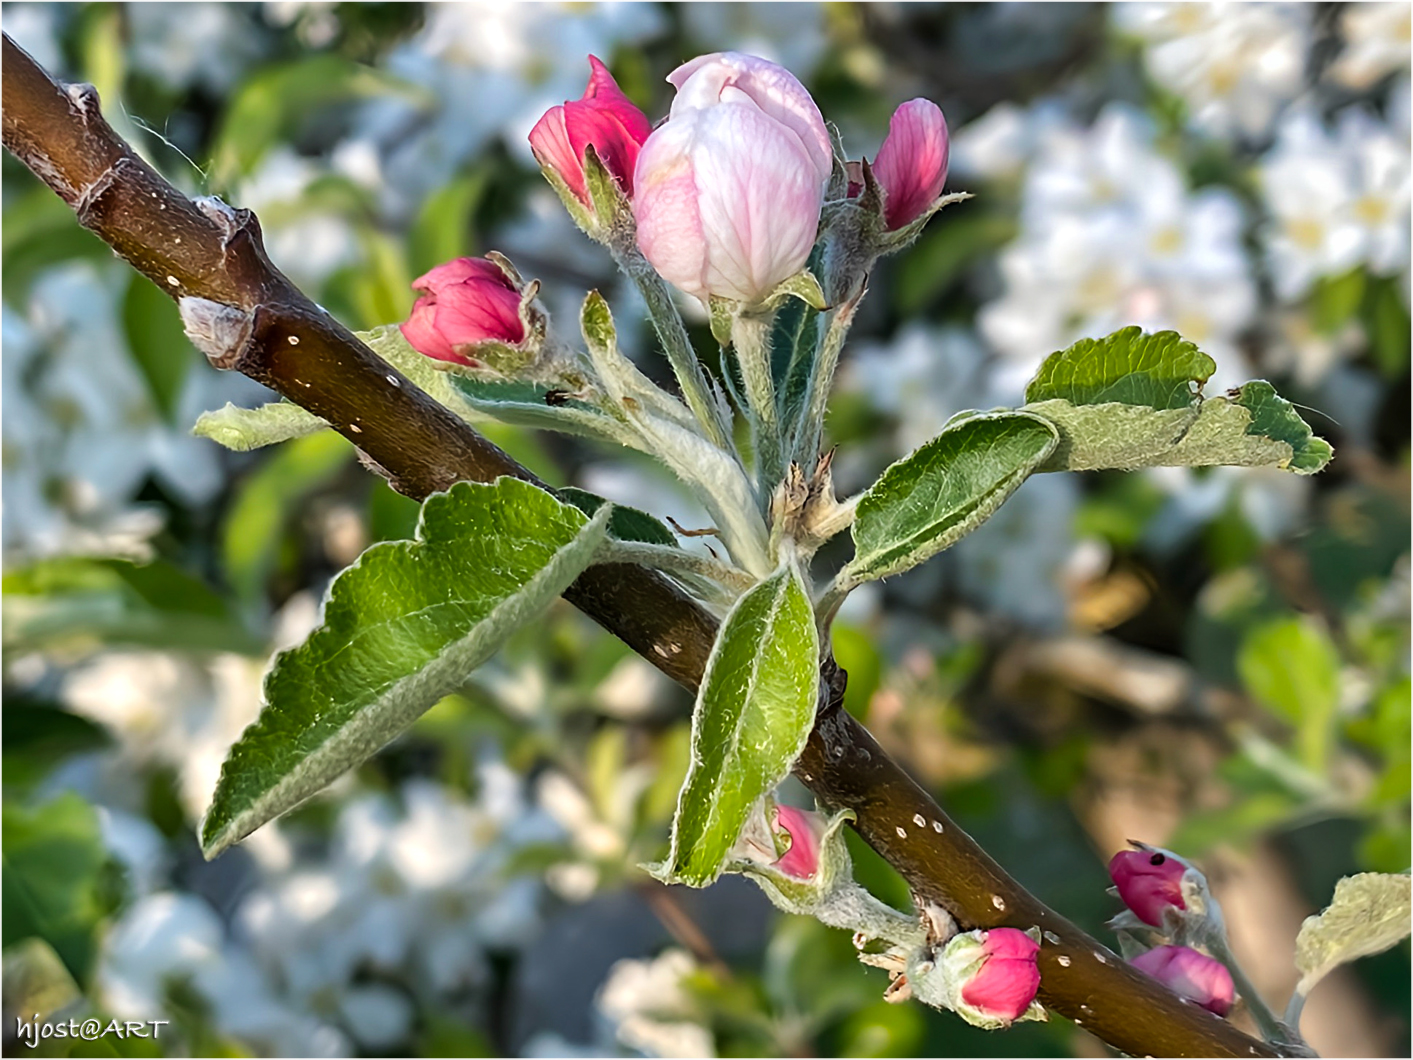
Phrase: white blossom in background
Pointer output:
(1112, 236)
(417, 890)
(188, 45)
(649, 1009)
(1376, 43)
(921, 379)
(36, 28)
(303, 241)
(487, 70)
(1000, 144)
(1235, 65)
(169, 938)
(81, 431)
(791, 34)
(1337, 198)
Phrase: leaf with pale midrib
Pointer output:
(402, 627)
(944, 490)
(753, 715)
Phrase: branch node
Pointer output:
(90, 196)
(84, 97)
(222, 332)
(224, 217)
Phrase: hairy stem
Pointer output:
(667, 322)
(750, 340)
(58, 132)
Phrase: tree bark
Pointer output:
(279, 337)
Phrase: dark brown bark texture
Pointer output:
(205, 250)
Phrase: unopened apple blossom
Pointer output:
(727, 192)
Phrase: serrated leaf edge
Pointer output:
(511, 613)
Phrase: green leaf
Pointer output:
(272, 105)
(402, 627)
(1369, 913)
(753, 715)
(76, 602)
(1291, 667)
(526, 404)
(1129, 367)
(54, 858)
(944, 490)
(1133, 400)
(157, 342)
(1335, 299)
(245, 429)
(794, 345)
(442, 230)
(624, 523)
(1272, 416)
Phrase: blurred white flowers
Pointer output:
(1338, 199)
(81, 429)
(1110, 236)
(650, 1010)
(1376, 43)
(1235, 65)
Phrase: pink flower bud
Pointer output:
(464, 302)
(1190, 974)
(728, 190)
(1148, 882)
(604, 117)
(912, 163)
(806, 832)
(1005, 984)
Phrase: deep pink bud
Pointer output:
(465, 301)
(1190, 974)
(912, 163)
(806, 830)
(728, 190)
(1006, 984)
(1148, 881)
(604, 117)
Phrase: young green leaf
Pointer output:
(944, 490)
(1133, 400)
(402, 627)
(626, 524)
(1368, 914)
(246, 429)
(753, 715)
(525, 404)
(1162, 371)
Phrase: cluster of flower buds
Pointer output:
(726, 195)
(1169, 904)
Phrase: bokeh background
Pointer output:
(1216, 660)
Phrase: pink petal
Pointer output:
(422, 335)
(549, 139)
(912, 163)
(704, 81)
(805, 830)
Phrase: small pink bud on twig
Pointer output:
(1190, 974)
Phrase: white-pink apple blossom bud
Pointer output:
(727, 192)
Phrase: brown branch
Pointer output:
(262, 325)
